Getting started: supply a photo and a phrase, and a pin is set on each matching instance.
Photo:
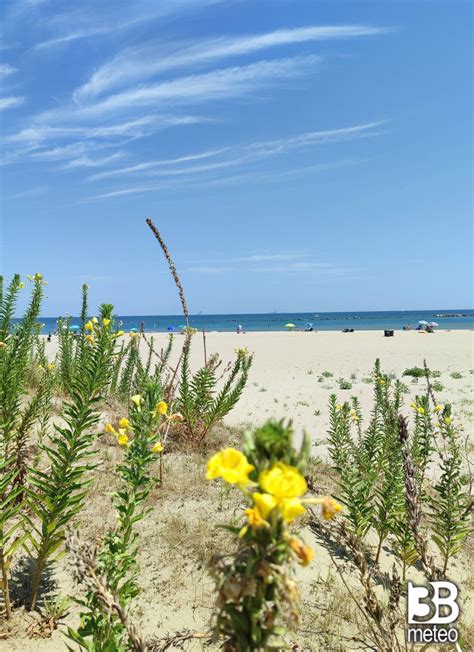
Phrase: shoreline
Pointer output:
(294, 374)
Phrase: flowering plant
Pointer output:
(257, 595)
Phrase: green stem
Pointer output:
(5, 586)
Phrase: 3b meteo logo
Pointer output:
(432, 610)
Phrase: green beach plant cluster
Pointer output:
(43, 482)
(257, 593)
(382, 474)
(115, 563)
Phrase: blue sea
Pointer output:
(322, 321)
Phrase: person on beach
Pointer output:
(239, 329)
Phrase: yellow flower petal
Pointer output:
(265, 503)
(329, 508)
(157, 448)
(106, 322)
(254, 517)
(137, 399)
(304, 553)
(283, 481)
(110, 429)
(231, 465)
(124, 423)
(122, 440)
(290, 508)
(161, 407)
(89, 326)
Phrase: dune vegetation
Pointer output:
(119, 478)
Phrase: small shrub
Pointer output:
(456, 375)
(344, 384)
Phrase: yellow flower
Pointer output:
(254, 517)
(51, 366)
(122, 439)
(157, 448)
(120, 333)
(110, 429)
(231, 465)
(303, 552)
(124, 423)
(38, 276)
(413, 405)
(339, 407)
(94, 320)
(283, 481)
(89, 326)
(265, 503)
(329, 508)
(106, 322)
(22, 285)
(90, 339)
(161, 407)
(290, 508)
(438, 408)
(447, 421)
(137, 399)
(420, 410)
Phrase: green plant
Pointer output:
(451, 502)
(257, 594)
(344, 384)
(57, 495)
(419, 372)
(102, 628)
(199, 401)
(456, 375)
(18, 416)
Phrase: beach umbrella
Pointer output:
(133, 330)
(290, 326)
(170, 328)
(74, 327)
(309, 325)
(422, 322)
(433, 323)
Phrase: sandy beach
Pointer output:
(294, 374)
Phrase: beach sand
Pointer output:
(179, 532)
(286, 379)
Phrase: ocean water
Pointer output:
(323, 321)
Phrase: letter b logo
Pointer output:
(420, 605)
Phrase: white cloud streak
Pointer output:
(10, 102)
(136, 64)
(6, 69)
(247, 153)
(218, 84)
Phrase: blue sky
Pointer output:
(296, 154)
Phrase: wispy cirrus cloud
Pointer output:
(10, 102)
(88, 162)
(219, 84)
(78, 25)
(140, 63)
(272, 263)
(240, 154)
(268, 177)
(6, 69)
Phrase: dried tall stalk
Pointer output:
(84, 571)
(172, 267)
(413, 503)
